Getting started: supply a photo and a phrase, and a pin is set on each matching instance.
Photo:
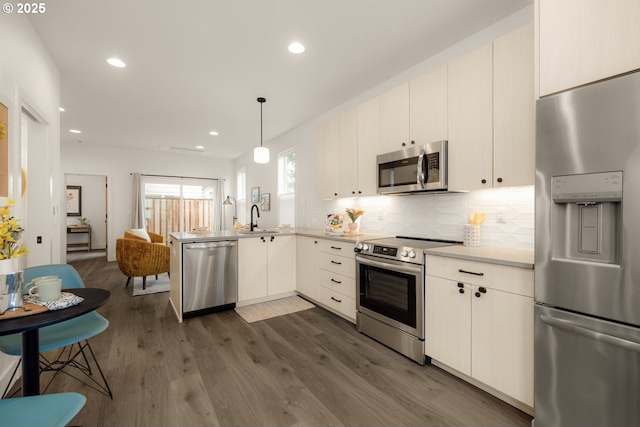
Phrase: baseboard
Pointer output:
(484, 387)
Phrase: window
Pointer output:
(179, 204)
(287, 187)
(287, 172)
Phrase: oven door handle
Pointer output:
(390, 265)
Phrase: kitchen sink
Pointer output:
(258, 231)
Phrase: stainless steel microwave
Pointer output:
(414, 169)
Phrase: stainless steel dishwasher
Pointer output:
(210, 276)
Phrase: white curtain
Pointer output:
(138, 202)
(218, 213)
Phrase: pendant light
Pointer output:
(261, 154)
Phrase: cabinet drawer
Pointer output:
(344, 249)
(338, 264)
(338, 302)
(505, 278)
(339, 283)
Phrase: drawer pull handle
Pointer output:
(336, 281)
(470, 272)
(336, 262)
(336, 299)
(335, 247)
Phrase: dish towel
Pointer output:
(66, 300)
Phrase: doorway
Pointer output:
(87, 224)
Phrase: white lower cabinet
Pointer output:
(337, 283)
(307, 266)
(266, 267)
(479, 322)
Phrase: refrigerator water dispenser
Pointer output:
(585, 217)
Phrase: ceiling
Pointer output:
(199, 65)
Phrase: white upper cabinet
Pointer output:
(327, 155)
(470, 120)
(348, 160)
(513, 109)
(581, 42)
(394, 119)
(415, 112)
(368, 147)
(492, 115)
(428, 107)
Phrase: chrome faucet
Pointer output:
(258, 212)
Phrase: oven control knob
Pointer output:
(404, 253)
(412, 254)
(365, 247)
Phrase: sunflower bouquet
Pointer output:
(10, 232)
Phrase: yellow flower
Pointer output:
(10, 232)
(354, 214)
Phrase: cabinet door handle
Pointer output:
(335, 281)
(470, 272)
(336, 299)
(272, 238)
(481, 291)
(461, 287)
(335, 247)
(336, 262)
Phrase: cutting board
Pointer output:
(31, 309)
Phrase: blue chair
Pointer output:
(70, 337)
(51, 410)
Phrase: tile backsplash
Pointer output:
(509, 214)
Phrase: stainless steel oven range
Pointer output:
(390, 292)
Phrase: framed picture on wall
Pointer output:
(74, 200)
(255, 194)
(265, 201)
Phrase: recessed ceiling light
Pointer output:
(116, 62)
(200, 147)
(296, 47)
(61, 109)
(213, 132)
(74, 131)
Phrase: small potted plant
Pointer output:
(354, 214)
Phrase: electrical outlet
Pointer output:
(500, 216)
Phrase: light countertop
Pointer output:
(209, 236)
(523, 258)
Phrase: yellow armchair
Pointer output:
(155, 238)
(138, 258)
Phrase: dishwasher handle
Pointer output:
(211, 245)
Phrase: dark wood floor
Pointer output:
(311, 368)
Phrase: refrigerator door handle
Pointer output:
(570, 326)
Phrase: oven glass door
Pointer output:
(391, 293)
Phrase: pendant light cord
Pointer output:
(261, 101)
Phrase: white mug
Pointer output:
(45, 290)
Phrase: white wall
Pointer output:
(29, 77)
(433, 216)
(117, 164)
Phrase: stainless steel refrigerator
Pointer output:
(587, 256)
